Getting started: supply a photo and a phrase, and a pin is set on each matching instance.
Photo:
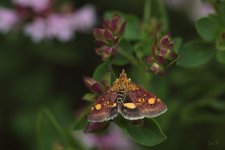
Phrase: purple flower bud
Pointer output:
(92, 85)
(163, 49)
(163, 52)
(157, 68)
(108, 36)
(122, 28)
(115, 23)
(149, 59)
(162, 55)
(95, 127)
(106, 52)
(166, 42)
(99, 34)
(167, 54)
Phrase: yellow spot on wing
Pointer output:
(129, 105)
(114, 105)
(139, 100)
(98, 106)
(151, 100)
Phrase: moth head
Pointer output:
(123, 74)
(122, 82)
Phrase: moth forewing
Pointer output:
(127, 98)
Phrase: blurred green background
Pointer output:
(49, 74)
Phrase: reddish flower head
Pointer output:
(107, 38)
(162, 54)
(163, 49)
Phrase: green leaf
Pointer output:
(120, 60)
(207, 28)
(100, 71)
(148, 135)
(124, 55)
(221, 57)
(80, 124)
(89, 97)
(132, 31)
(107, 78)
(177, 44)
(222, 11)
(220, 41)
(138, 74)
(49, 130)
(147, 45)
(81, 121)
(195, 54)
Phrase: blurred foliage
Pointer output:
(42, 88)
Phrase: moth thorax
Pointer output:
(120, 95)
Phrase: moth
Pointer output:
(128, 99)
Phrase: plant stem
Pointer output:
(38, 127)
(147, 11)
(111, 70)
(82, 115)
(172, 62)
(163, 15)
(126, 55)
(54, 122)
(64, 135)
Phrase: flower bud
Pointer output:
(95, 127)
(106, 52)
(92, 85)
(163, 49)
(166, 42)
(157, 68)
(99, 34)
(167, 54)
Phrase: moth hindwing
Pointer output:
(127, 98)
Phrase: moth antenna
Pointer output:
(123, 74)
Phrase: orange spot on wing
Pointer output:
(98, 106)
(114, 105)
(129, 105)
(151, 101)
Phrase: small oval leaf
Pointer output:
(195, 54)
(148, 135)
(100, 71)
(207, 28)
(221, 57)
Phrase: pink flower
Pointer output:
(194, 8)
(54, 26)
(8, 18)
(112, 140)
(36, 30)
(201, 9)
(61, 26)
(36, 5)
(84, 18)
